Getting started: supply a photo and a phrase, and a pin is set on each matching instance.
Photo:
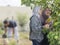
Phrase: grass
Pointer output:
(24, 39)
(24, 35)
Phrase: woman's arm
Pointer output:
(35, 24)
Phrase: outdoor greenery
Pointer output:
(1, 24)
(54, 5)
(23, 36)
(23, 19)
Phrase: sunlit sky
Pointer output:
(10, 2)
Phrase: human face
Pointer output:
(47, 12)
(40, 11)
(6, 24)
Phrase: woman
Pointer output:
(45, 16)
(36, 35)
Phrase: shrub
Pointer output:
(54, 35)
(23, 19)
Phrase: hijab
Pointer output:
(44, 16)
(36, 11)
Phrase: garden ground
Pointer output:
(23, 39)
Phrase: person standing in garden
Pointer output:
(36, 34)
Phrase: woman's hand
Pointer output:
(46, 26)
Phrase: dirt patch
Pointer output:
(24, 39)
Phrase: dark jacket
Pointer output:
(36, 28)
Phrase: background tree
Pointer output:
(54, 5)
(23, 20)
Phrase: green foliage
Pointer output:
(22, 19)
(1, 24)
(1, 31)
(54, 37)
(54, 5)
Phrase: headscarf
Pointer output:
(35, 10)
(44, 15)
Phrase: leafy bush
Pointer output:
(54, 38)
(54, 5)
(54, 35)
(22, 19)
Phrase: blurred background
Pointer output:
(21, 11)
(12, 9)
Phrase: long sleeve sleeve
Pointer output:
(35, 24)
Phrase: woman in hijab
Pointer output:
(46, 15)
(36, 35)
